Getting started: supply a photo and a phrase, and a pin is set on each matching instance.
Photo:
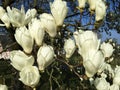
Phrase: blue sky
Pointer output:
(114, 34)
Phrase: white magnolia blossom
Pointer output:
(116, 79)
(4, 17)
(100, 10)
(37, 31)
(18, 17)
(82, 3)
(114, 87)
(92, 4)
(49, 24)
(45, 56)
(59, 11)
(19, 59)
(92, 64)
(3, 87)
(30, 76)
(101, 84)
(107, 67)
(69, 47)
(107, 49)
(87, 43)
(24, 39)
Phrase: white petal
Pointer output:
(30, 76)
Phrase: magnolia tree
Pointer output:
(48, 53)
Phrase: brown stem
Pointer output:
(8, 47)
(28, 88)
(71, 67)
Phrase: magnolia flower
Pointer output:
(107, 67)
(36, 31)
(3, 87)
(45, 56)
(82, 4)
(116, 78)
(101, 84)
(4, 17)
(49, 24)
(23, 37)
(114, 87)
(30, 76)
(100, 10)
(93, 63)
(19, 59)
(107, 49)
(87, 43)
(59, 11)
(18, 17)
(92, 4)
(69, 47)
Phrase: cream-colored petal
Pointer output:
(30, 76)
(49, 24)
(19, 59)
(23, 37)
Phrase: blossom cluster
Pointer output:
(27, 38)
(30, 30)
(97, 6)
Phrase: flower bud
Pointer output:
(92, 4)
(37, 31)
(49, 24)
(31, 13)
(4, 17)
(82, 4)
(24, 39)
(100, 10)
(69, 47)
(45, 56)
(5, 20)
(59, 11)
(107, 49)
